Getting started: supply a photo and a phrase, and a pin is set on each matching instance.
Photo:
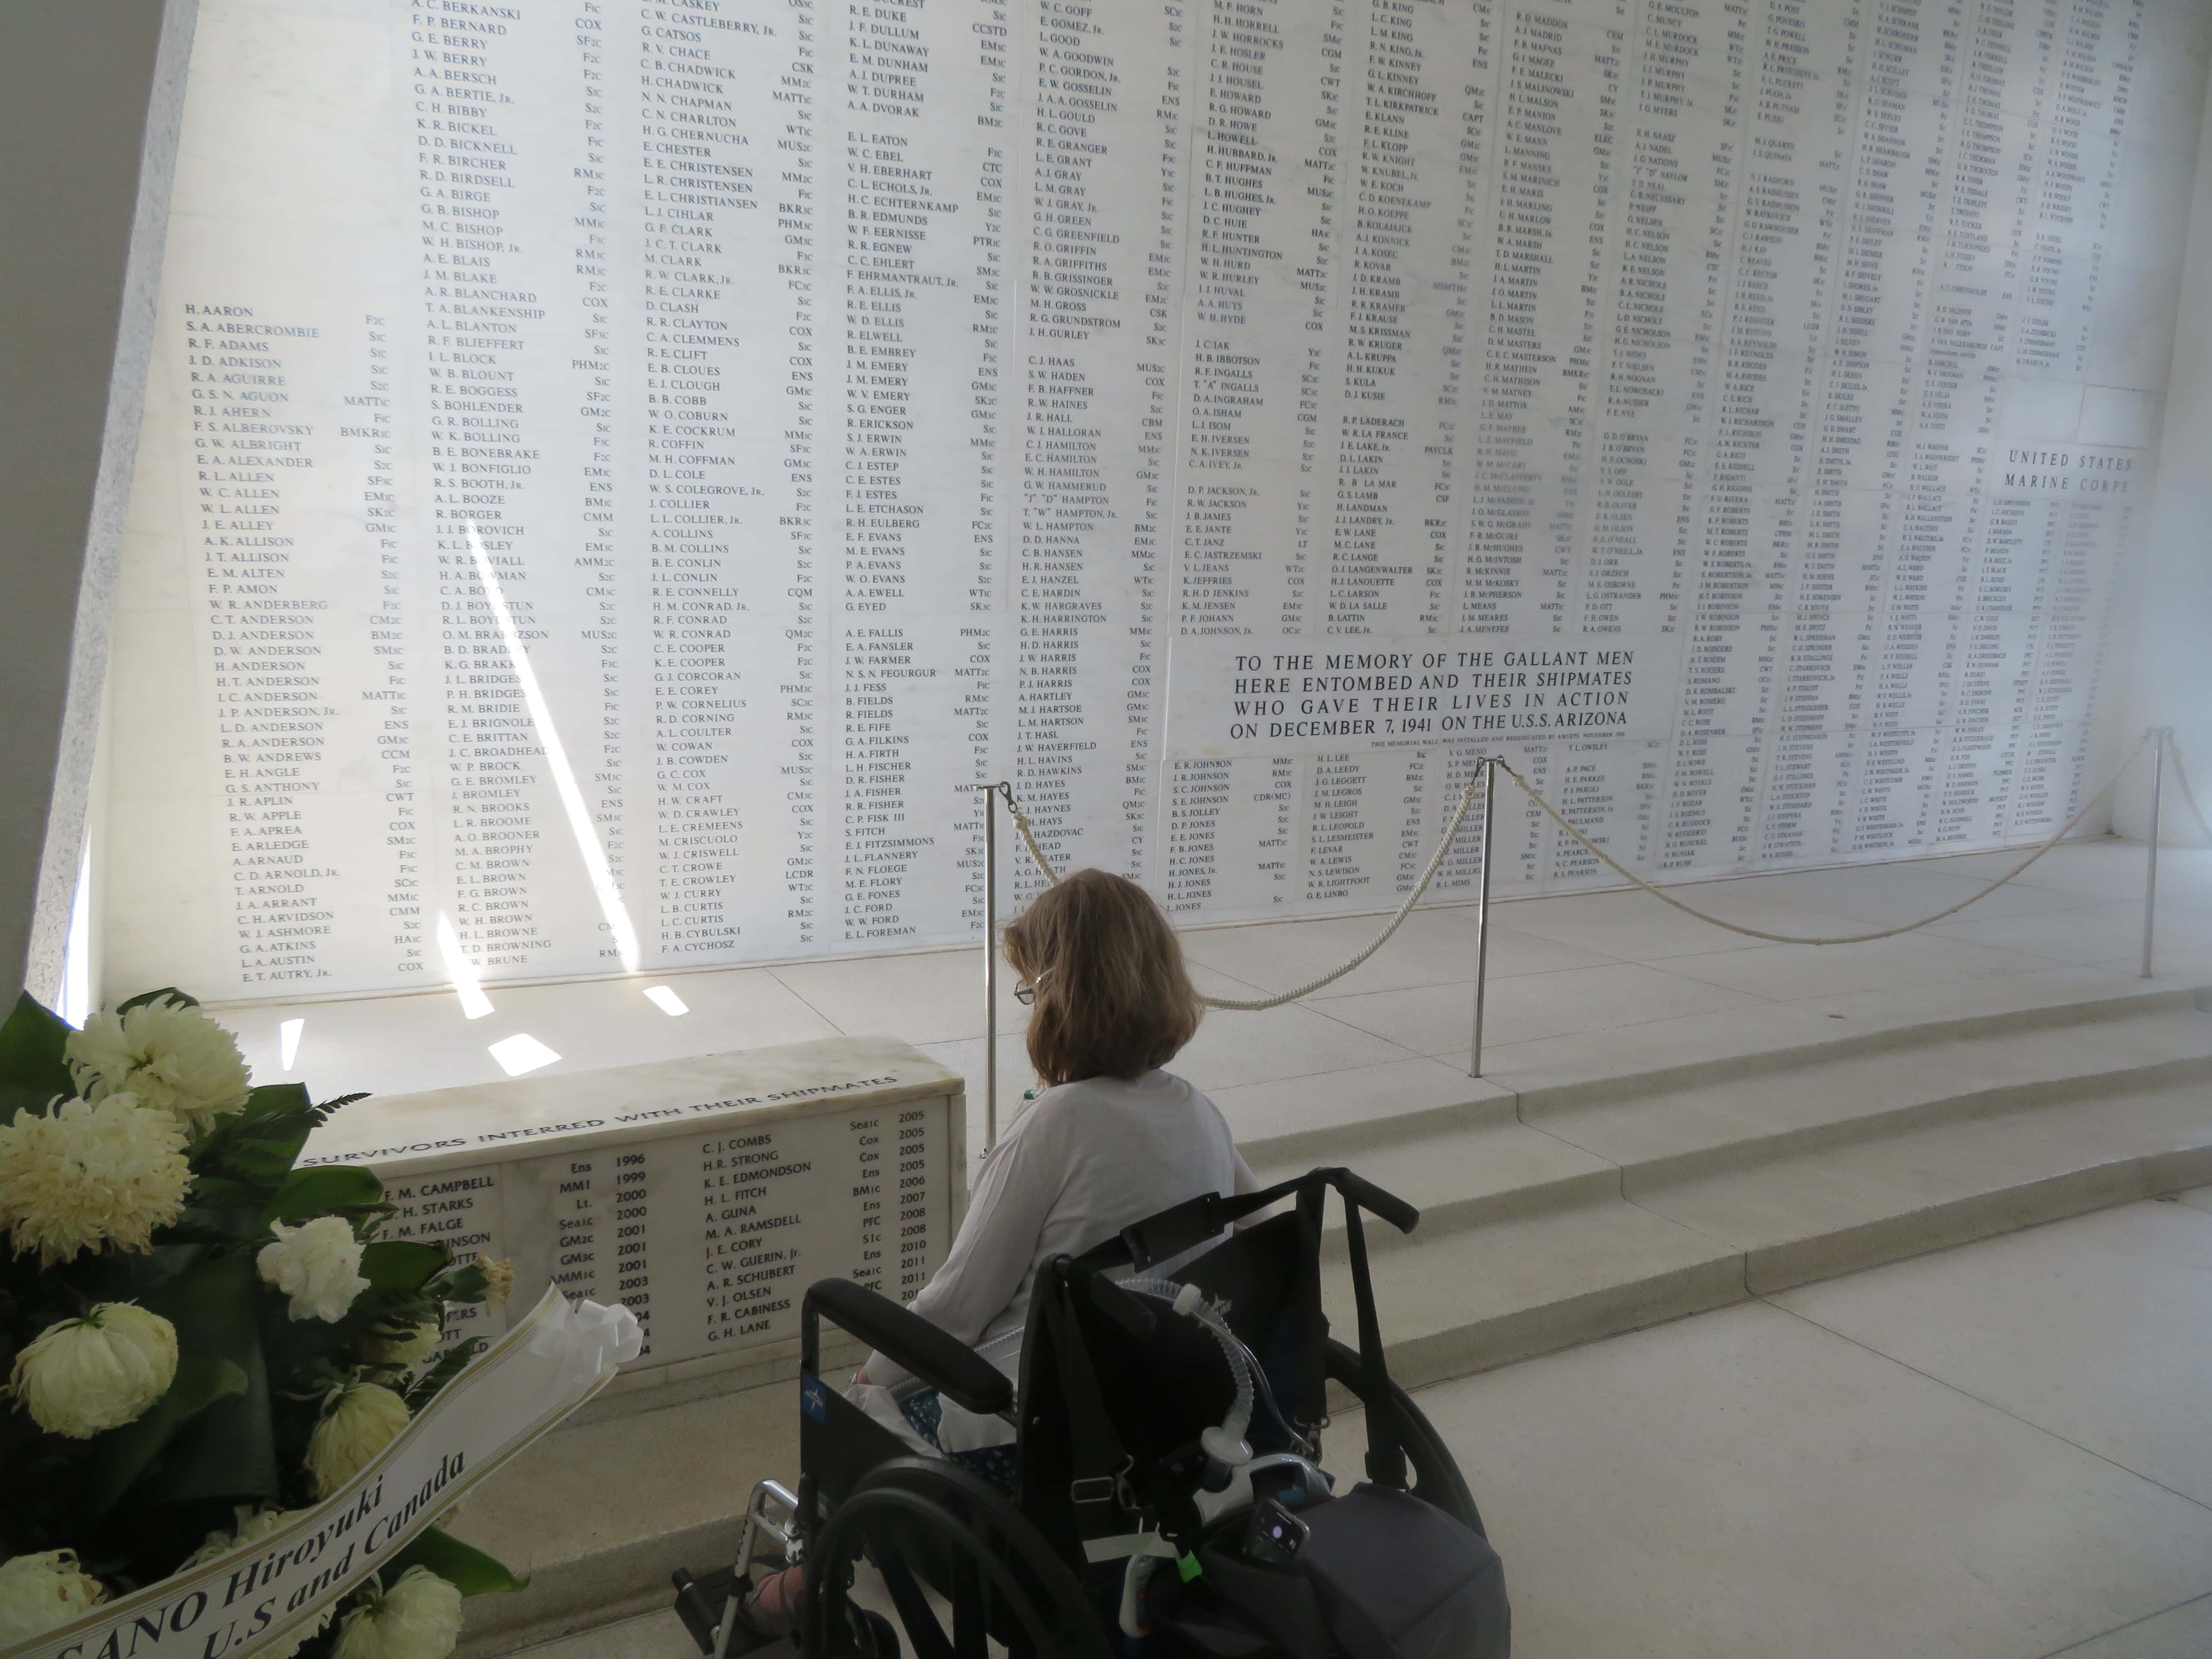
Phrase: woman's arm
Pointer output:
(997, 1243)
(1245, 1182)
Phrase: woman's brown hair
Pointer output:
(1112, 999)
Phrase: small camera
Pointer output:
(1275, 1536)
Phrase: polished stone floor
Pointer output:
(1999, 1451)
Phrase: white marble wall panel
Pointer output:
(616, 476)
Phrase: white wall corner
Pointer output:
(75, 754)
(2166, 650)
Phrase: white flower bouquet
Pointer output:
(196, 1337)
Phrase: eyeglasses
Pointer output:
(1026, 990)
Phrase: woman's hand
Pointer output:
(861, 1377)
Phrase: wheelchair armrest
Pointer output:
(947, 1364)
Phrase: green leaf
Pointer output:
(124, 1454)
(210, 1224)
(449, 1365)
(320, 1191)
(469, 1282)
(246, 1157)
(400, 1264)
(145, 997)
(142, 1276)
(211, 1303)
(273, 1099)
(32, 1036)
(464, 1566)
(227, 1454)
(32, 1068)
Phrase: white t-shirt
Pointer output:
(1083, 1162)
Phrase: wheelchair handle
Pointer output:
(1123, 1309)
(1372, 1198)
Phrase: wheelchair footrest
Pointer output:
(700, 1602)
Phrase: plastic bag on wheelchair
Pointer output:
(1373, 1574)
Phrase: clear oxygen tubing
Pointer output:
(1225, 1445)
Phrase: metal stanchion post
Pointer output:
(991, 965)
(1482, 909)
(2150, 865)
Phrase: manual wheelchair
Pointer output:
(1134, 1524)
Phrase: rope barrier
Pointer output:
(1255, 1005)
(1459, 816)
(2057, 836)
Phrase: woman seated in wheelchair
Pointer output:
(1110, 1139)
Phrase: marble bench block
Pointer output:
(704, 1194)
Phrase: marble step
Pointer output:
(599, 1514)
(1682, 1132)
(1460, 1176)
(1638, 1061)
(1458, 1301)
(1467, 1298)
(1330, 1116)
(1336, 1117)
(1468, 1165)
(1833, 1210)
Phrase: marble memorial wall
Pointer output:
(617, 473)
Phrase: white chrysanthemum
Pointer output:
(249, 1526)
(79, 1175)
(317, 1264)
(499, 1280)
(356, 1426)
(283, 1647)
(418, 1618)
(82, 1377)
(43, 1592)
(253, 1526)
(400, 1344)
(168, 1053)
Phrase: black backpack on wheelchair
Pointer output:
(1132, 1530)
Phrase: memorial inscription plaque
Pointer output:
(705, 1194)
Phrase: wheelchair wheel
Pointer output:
(968, 1575)
(1434, 1476)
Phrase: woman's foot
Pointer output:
(770, 1612)
(772, 1607)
